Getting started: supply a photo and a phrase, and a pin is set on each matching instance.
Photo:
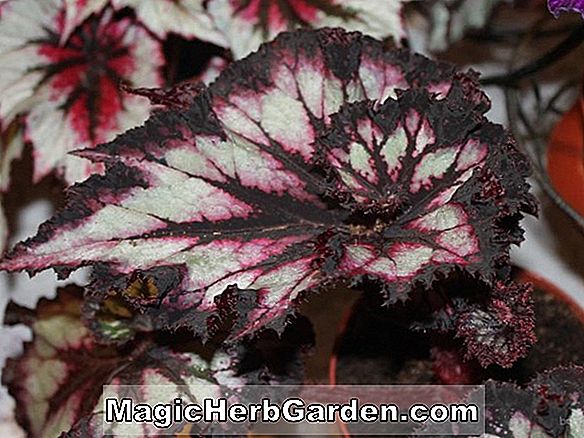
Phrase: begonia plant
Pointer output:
(321, 158)
(208, 210)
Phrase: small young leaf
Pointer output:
(256, 190)
(502, 328)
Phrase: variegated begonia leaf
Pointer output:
(57, 381)
(70, 90)
(248, 23)
(188, 18)
(495, 322)
(552, 405)
(76, 12)
(271, 183)
(556, 7)
(500, 327)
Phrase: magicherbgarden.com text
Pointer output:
(291, 410)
